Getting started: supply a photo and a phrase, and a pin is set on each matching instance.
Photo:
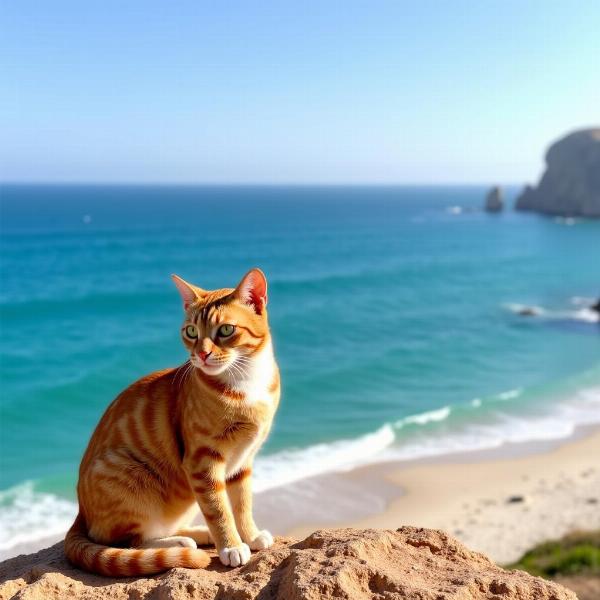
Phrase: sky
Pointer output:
(292, 92)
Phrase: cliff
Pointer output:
(570, 185)
(408, 563)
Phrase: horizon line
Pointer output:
(263, 183)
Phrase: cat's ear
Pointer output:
(252, 290)
(189, 293)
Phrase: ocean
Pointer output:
(394, 311)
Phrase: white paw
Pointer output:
(263, 540)
(236, 556)
(185, 542)
(174, 541)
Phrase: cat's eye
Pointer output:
(225, 330)
(191, 331)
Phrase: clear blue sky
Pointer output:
(304, 91)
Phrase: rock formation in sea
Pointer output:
(570, 185)
(494, 201)
(409, 563)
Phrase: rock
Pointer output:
(528, 311)
(516, 499)
(494, 201)
(570, 185)
(409, 563)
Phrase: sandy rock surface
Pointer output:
(409, 563)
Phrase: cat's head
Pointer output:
(224, 329)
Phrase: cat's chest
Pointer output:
(244, 444)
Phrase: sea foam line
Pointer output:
(431, 416)
(288, 466)
(27, 515)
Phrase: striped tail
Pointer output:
(126, 562)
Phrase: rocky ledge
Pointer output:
(570, 185)
(408, 563)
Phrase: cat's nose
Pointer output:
(204, 355)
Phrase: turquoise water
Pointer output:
(392, 309)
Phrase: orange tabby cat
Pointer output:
(181, 439)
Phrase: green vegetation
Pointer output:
(576, 554)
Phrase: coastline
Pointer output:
(500, 502)
(554, 484)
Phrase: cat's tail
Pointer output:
(126, 562)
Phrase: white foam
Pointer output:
(288, 466)
(557, 421)
(583, 314)
(431, 416)
(569, 221)
(454, 210)
(586, 314)
(27, 515)
(510, 394)
(527, 309)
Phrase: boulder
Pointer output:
(409, 563)
(570, 185)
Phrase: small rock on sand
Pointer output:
(516, 499)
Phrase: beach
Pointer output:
(499, 502)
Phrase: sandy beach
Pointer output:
(500, 503)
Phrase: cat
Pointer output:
(181, 440)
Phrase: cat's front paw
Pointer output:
(236, 556)
(263, 540)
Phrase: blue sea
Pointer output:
(394, 310)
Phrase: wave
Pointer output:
(481, 424)
(431, 416)
(288, 466)
(510, 394)
(582, 314)
(27, 515)
(501, 424)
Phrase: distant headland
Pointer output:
(570, 185)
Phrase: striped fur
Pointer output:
(180, 440)
(115, 562)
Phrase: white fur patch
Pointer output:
(257, 377)
(243, 454)
(158, 527)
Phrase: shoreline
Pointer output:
(465, 493)
(500, 501)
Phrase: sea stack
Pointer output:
(493, 201)
(570, 185)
